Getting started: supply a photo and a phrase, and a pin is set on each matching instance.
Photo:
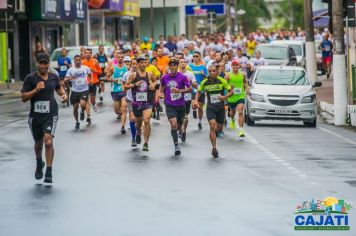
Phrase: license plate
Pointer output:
(283, 111)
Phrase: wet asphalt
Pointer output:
(104, 187)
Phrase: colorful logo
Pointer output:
(328, 214)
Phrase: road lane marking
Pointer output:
(337, 135)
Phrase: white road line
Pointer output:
(338, 135)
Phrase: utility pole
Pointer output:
(339, 64)
(151, 18)
(164, 19)
(228, 16)
(309, 41)
(291, 12)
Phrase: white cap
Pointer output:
(127, 58)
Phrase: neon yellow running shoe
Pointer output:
(241, 133)
(232, 124)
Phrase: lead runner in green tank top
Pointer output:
(237, 80)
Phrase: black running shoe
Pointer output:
(48, 177)
(157, 117)
(82, 115)
(184, 137)
(88, 120)
(39, 170)
(200, 126)
(133, 143)
(138, 139)
(145, 147)
(77, 125)
(177, 151)
(154, 115)
(101, 98)
(215, 153)
(123, 131)
(118, 117)
(195, 114)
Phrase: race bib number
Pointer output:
(187, 96)
(141, 97)
(118, 80)
(175, 96)
(63, 68)
(237, 91)
(327, 48)
(80, 81)
(102, 65)
(42, 107)
(214, 98)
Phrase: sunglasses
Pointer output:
(212, 70)
(195, 56)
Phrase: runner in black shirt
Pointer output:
(39, 87)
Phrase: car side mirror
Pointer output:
(317, 84)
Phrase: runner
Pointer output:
(258, 60)
(118, 93)
(326, 47)
(129, 101)
(141, 84)
(64, 63)
(214, 86)
(238, 82)
(39, 87)
(154, 70)
(103, 60)
(200, 72)
(187, 96)
(174, 84)
(80, 89)
(94, 66)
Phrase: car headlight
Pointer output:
(309, 99)
(257, 97)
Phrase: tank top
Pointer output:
(117, 75)
(236, 81)
(102, 59)
(141, 94)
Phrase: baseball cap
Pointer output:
(141, 58)
(173, 61)
(127, 58)
(42, 57)
(145, 39)
(235, 62)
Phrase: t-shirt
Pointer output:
(327, 46)
(179, 81)
(197, 71)
(43, 103)
(91, 63)
(214, 88)
(117, 76)
(125, 78)
(259, 62)
(79, 78)
(63, 68)
(191, 78)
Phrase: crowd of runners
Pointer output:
(205, 75)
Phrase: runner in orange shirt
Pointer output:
(94, 66)
(162, 61)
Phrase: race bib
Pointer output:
(158, 82)
(102, 65)
(141, 97)
(214, 98)
(42, 107)
(187, 96)
(63, 68)
(118, 80)
(80, 81)
(175, 96)
(237, 91)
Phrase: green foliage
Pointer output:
(284, 13)
(254, 9)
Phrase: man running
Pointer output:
(187, 96)
(142, 84)
(103, 60)
(200, 72)
(214, 86)
(64, 63)
(326, 47)
(39, 87)
(154, 70)
(238, 82)
(93, 65)
(80, 89)
(174, 85)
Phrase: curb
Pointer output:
(326, 111)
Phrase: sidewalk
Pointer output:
(12, 91)
(326, 91)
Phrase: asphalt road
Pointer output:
(104, 187)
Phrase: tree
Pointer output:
(255, 9)
(284, 13)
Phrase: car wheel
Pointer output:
(249, 121)
(310, 123)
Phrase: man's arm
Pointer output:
(28, 92)
(152, 80)
(129, 85)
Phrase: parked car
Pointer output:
(298, 47)
(281, 93)
(72, 51)
(278, 54)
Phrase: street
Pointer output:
(104, 187)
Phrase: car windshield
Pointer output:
(71, 53)
(281, 77)
(275, 52)
(297, 49)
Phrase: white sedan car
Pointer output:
(281, 93)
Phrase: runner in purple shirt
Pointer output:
(173, 86)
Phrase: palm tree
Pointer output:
(255, 9)
(284, 13)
